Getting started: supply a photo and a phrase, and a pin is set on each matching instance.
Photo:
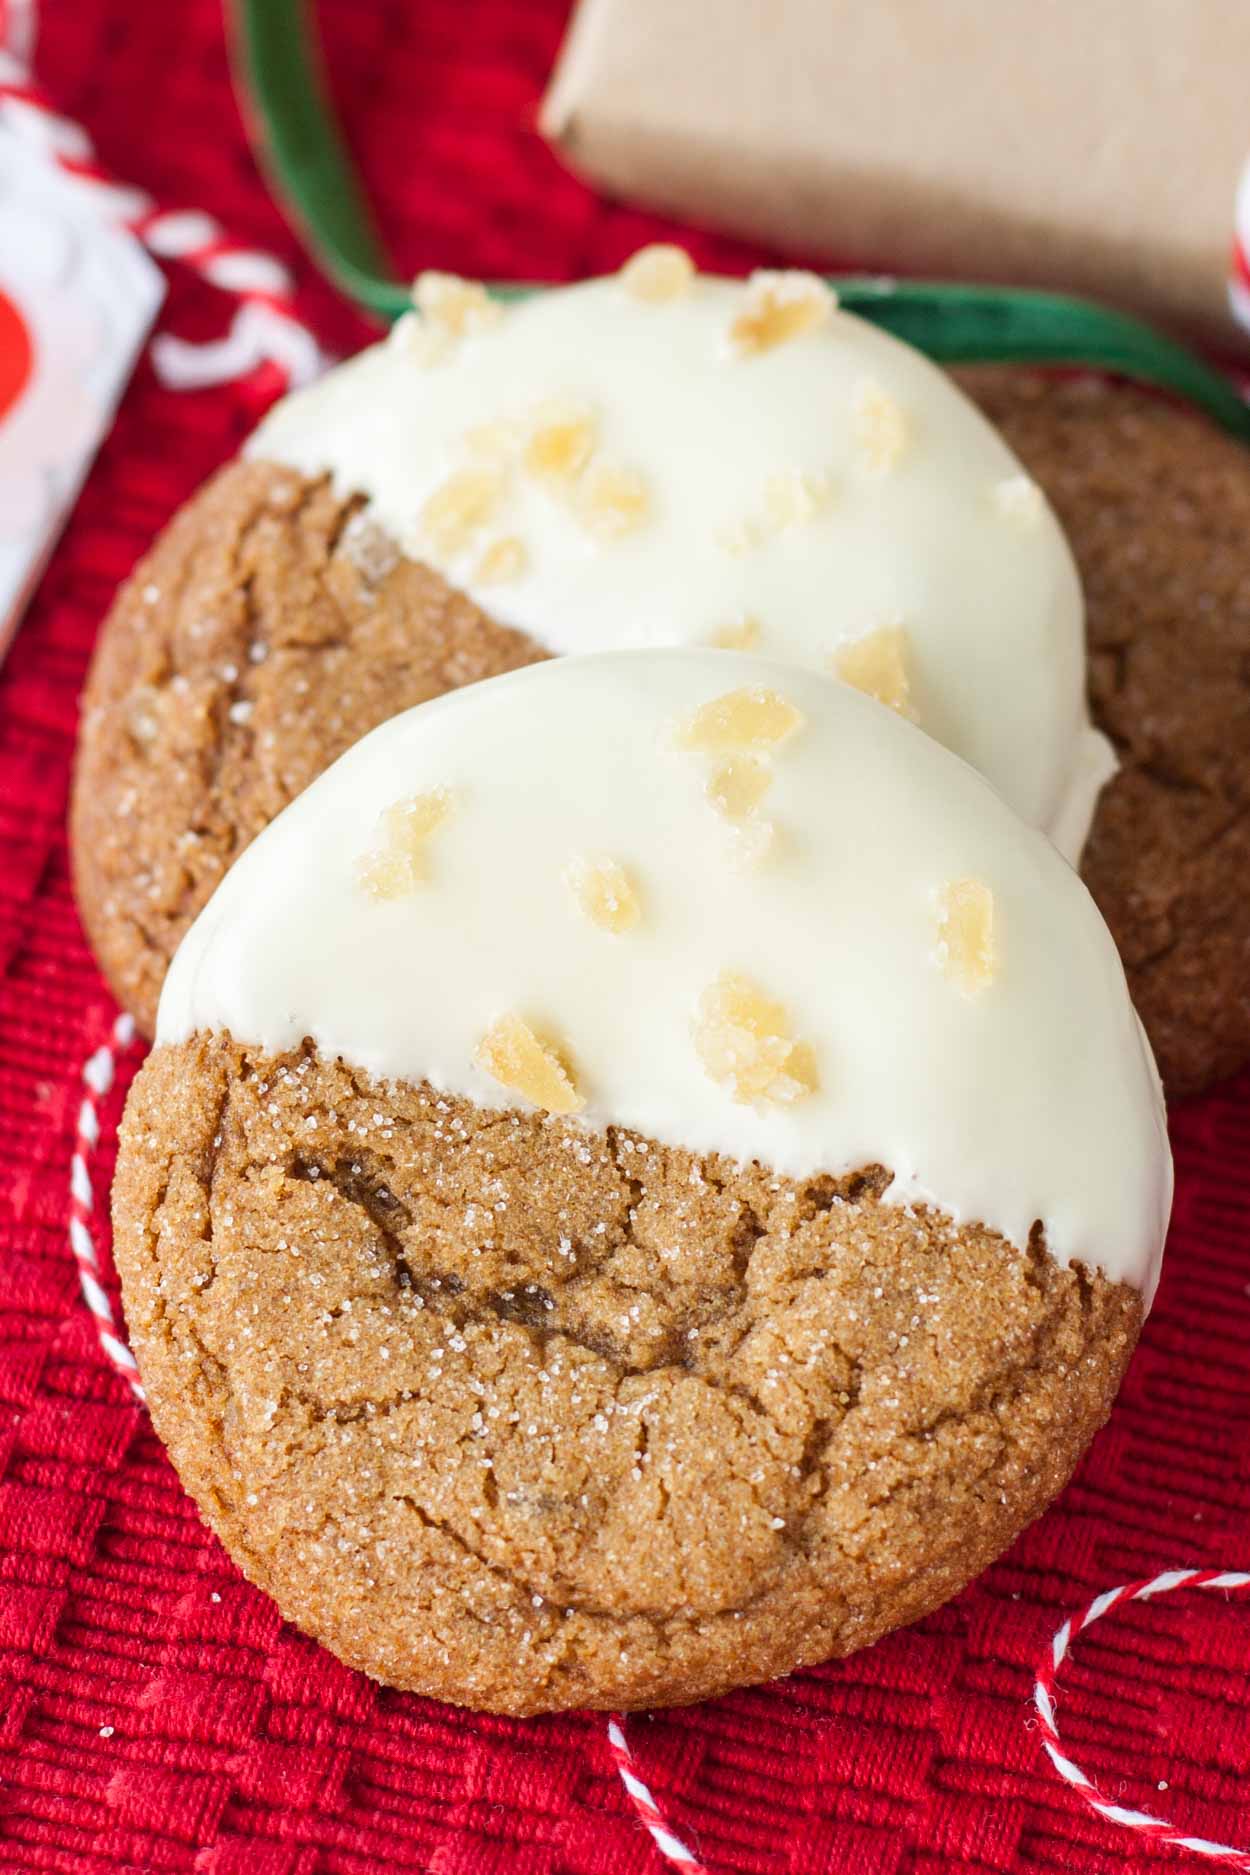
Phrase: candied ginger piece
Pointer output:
(795, 497)
(455, 305)
(504, 559)
(459, 507)
(1020, 499)
(777, 307)
(737, 785)
(966, 934)
(739, 538)
(513, 1055)
(612, 500)
(491, 442)
(658, 273)
(881, 429)
(741, 634)
(421, 343)
(561, 442)
(741, 719)
(878, 665)
(604, 893)
(398, 864)
(742, 1038)
(755, 840)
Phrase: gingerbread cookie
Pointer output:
(649, 1176)
(657, 458)
(1157, 507)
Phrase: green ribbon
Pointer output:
(301, 147)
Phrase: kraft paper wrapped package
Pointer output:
(1090, 147)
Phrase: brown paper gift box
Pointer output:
(1090, 145)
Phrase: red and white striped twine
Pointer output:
(1142, 1822)
(647, 1810)
(98, 1074)
(266, 329)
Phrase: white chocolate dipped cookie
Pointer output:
(649, 1176)
(655, 458)
(671, 458)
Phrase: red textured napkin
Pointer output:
(155, 1714)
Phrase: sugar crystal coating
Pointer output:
(742, 1037)
(777, 307)
(741, 719)
(398, 864)
(143, 707)
(966, 947)
(512, 1054)
(604, 893)
(737, 785)
(658, 273)
(877, 664)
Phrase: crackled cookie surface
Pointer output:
(1157, 506)
(649, 1175)
(657, 458)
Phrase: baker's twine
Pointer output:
(98, 1076)
(265, 329)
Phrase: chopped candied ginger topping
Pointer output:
(461, 505)
(612, 500)
(742, 1037)
(966, 934)
(503, 559)
(658, 273)
(777, 307)
(795, 497)
(881, 429)
(878, 665)
(604, 893)
(737, 785)
(458, 306)
(397, 865)
(447, 310)
(561, 442)
(741, 634)
(512, 1054)
(491, 442)
(741, 719)
(1020, 499)
(740, 537)
(755, 840)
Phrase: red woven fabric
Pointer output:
(155, 1714)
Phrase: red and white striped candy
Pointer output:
(266, 329)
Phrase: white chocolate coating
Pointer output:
(925, 521)
(1032, 1097)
